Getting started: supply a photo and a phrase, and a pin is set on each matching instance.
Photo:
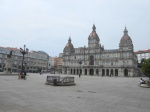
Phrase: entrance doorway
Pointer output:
(112, 72)
(107, 72)
(97, 71)
(91, 60)
(91, 72)
(116, 72)
(103, 72)
(85, 71)
(126, 73)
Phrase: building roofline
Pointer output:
(142, 51)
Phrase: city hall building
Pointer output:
(95, 60)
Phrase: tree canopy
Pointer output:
(146, 67)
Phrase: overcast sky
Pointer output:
(47, 24)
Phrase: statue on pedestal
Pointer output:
(10, 54)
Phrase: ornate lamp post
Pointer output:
(23, 52)
(80, 62)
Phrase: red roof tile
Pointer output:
(142, 51)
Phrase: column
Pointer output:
(100, 72)
(88, 71)
(83, 71)
(63, 71)
(94, 71)
(68, 70)
(121, 72)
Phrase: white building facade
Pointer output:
(142, 54)
(95, 60)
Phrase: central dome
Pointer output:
(126, 41)
(125, 38)
(93, 34)
(69, 46)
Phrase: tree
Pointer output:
(146, 67)
(140, 64)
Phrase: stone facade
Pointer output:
(95, 60)
(32, 61)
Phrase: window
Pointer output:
(91, 60)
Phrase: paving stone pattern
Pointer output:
(90, 94)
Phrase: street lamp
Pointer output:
(80, 62)
(23, 52)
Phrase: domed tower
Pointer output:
(93, 39)
(126, 42)
(69, 47)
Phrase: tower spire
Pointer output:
(69, 40)
(94, 28)
(125, 31)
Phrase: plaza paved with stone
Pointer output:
(90, 94)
